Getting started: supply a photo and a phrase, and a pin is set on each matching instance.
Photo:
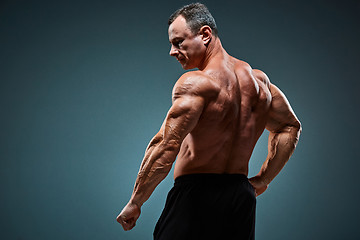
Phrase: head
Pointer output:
(191, 29)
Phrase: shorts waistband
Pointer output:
(210, 177)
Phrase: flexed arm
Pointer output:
(163, 149)
(285, 129)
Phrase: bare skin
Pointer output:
(217, 115)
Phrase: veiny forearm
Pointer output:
(156, 164)
(153, 143)
(281, 146)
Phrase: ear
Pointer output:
(206, 34)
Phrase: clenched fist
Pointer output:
(128, 216)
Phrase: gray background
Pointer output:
(84, 85)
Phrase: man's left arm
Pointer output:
(162, 150)
(284, 131)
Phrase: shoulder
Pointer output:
(260, 75)
(245, 70)
(195, 83)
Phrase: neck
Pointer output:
(213, 51)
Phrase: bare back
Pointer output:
(217, 115)
(231, 122)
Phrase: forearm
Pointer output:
(281, 146)
(156, 164)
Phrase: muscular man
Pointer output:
(217, 115)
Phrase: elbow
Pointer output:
(294, 126)
(298, 127)
(294, 129)
(170, 149)
(171, 146)
(155, 141)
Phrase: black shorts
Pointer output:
(208, 206)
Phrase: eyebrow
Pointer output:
(175, 39)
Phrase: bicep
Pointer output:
(281, 115)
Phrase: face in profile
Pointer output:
(186, 47)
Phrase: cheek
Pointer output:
(197, 46)
(194, 49)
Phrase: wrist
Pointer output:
(263, 179)
(134, 201)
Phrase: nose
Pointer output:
(173, 51)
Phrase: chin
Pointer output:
(187, 67)
(184, 66)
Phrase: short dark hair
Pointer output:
(196, 16)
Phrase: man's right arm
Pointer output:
(189, 99)
(285, 129)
